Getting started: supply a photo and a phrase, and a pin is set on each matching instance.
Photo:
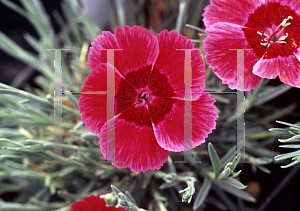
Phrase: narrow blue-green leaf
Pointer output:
(78, 125)
(116, 190)
(28, 173)
(264, 169)
(231, 153)
(89, 135)
(147, 179)
(279, 130)
(236, 192)
(287, 155)
(293, 132)
(260, 161)
(67, 170)
(4, 174)
(10, 188)
(228, 165)
(168, 185)
(290, 146)
(25, 95)
(73, 197)
(214, 159)
(236, 173)
(12, 156)
(261, 152)
(201, 196)
(72, 21)
(277, 114)
(195, 27)
(12, 142)
(233, 182)
(224, 197)
(224, 174)
(92, 30)
(47, 180)
(52, 189)
(30, 149)
(288, 124)
(291, 164)
(14, 7)
(296, 128)
(292, 139)
(58, 19)
(235, 161)
(34, 43)
(10, 206)
(11, 48)
(271, 93)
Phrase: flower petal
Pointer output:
(93, 203)
(170, 131)
(140, 48)
(234, 11)
(287, 68)
(297, 54)
(171, 63)
(135, 145)
(294, 4)
(93, 106)
(289, 72)
(293, 41)
(105, 41)
(224, 61)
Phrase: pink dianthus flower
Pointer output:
(271, 28)
(149, 96)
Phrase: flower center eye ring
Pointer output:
(275, 35)
(280, 30)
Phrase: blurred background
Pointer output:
(50, 24)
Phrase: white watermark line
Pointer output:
(188, 123)
(104, 92)
(110, 102)
(240, 100)
(57, 104)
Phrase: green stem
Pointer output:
(183, 9)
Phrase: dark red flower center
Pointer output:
(144, 97)
(273, 28)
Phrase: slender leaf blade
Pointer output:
(214, 159)
(201, 196)
(236, 192)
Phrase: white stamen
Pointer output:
(264, 44)
(284, 22)
(266, 38)
(283, 37)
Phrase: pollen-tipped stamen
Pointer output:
(266, 39)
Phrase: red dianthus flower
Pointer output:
(149, 96)
(271, 28)
(93, 203)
